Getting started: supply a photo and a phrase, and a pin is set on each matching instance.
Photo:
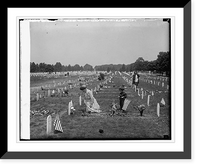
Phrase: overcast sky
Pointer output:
(97, 42)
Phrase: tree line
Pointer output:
(58, 67)
(161, 64)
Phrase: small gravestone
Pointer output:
(37, 96)
(163, 84)
(49, 93)
(80, 100)
(148, 100)
(138, 92)
(142, 94)
(49, 124)
(158, 109)
(69, 108)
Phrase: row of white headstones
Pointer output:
(49, 126)
(143, 93)
(74, 83)
(71, 107)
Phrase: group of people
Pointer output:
(91, 103)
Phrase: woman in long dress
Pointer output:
(89, 100)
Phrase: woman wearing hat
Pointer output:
(89, 100)
(135, 79)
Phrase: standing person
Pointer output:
(89, 100)
(122, 97)
(135, 80)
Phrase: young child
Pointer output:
(122, 97)
(113, 108)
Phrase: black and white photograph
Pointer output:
(98, 78)
(99, 83)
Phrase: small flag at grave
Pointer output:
(57, 124)
(126, 103)
(162, 102)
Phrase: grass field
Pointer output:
(78, 127)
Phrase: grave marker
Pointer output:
(69, 108)
(138, 92)
(80, 100)
(37, 96)
(49, 93)
(49, 124)
(158, 109)
(148, 100)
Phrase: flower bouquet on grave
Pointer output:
(141, 109)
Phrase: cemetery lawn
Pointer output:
(131, 126)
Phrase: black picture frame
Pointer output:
(186, 154)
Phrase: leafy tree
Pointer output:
(163, 62)
(58, 67)
(49, 68)
(42, 67)
(123, 68)
(33, 67)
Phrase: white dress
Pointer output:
(91, 102)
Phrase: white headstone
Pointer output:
(158, 109)
(71, 103)
(37, 96)
(152, 93)
(69, 108)
(148, 100)
(142, 94)
(138, 92)
(49, 124)
(49, 93)
(163, 84)
(80, 100)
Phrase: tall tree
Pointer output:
(58, 67)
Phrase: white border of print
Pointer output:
(176, 144)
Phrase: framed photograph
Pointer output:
(99, 83)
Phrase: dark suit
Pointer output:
(122, 97)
